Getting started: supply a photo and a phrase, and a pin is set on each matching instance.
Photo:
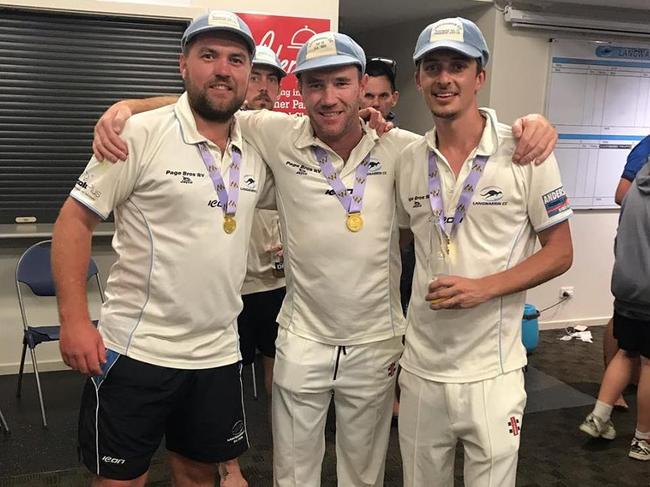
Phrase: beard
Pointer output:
(206, 109)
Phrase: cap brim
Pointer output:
(451, 45)
(328, 62)
(250, 42)
(280, 71)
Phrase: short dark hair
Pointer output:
(377, 67)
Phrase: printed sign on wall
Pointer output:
(285, 35)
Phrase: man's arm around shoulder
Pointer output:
(82, 347)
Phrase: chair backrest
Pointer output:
(34, 269)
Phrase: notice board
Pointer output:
(598, 98)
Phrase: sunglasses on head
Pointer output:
(390, 63)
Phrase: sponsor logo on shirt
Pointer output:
(331, 192)
(555, 202)
(186, 176)
(248, 183)
(416, 200)
(214, 204)
(489, 196)
(375, 168)
(85, 185)
(302, 169)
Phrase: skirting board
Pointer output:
(51, 365)
(43, 366)
(556, 324)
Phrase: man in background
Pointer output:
(264, 288)
(636, 159)
(381, 92)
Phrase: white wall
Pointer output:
(11, 249)
(517, 76)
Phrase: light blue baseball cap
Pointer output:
(265, 56)
(219, 20)
(457, 34)
(329, 49)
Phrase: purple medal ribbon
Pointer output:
(435, 195)
(351, 203)
(227, 198)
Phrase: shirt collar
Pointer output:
(190, 133)
(489, 142)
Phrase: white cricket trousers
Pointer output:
(486, 416)
(362, 379)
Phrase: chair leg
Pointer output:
(38, 386)
(20, 371)
(3, 423)
(254, 380)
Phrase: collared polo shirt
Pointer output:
(510, 205)
(173, 295)
(342, 287)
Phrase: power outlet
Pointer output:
(566, 292)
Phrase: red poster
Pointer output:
(285, 35)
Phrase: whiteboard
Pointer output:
(598, 98)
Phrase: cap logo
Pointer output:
(321, 45)
(223, 19)
(264, 56)
(451, 30)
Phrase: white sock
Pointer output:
(603, 411)
(639, 435)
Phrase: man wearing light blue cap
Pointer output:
(476, 218)
(164, 359)
(341, 322)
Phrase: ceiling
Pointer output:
(360, 15)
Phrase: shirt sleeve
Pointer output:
(636, 159)
(548, 203)
(104, 185)
(263, 128)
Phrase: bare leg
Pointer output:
(643, 397)
(137, 482)
(610, 347)
(617, 376)
(190, 473)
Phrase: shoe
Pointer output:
(596, 428)
(639, 449)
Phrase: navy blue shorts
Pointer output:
(126, 412)
(257, 323)
(632, 335)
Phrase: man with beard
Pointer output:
(341, 323)
(165, 358)
(263, 289)
(476, 219)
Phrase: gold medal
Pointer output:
(354, 222)
(229, 224)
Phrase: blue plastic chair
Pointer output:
(34, 270)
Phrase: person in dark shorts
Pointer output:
(264, 286)
(631, 290)
(165, 359)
